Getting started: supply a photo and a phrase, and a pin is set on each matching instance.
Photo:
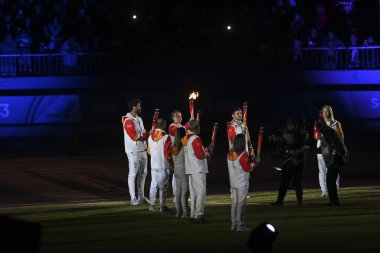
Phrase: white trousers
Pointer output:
(174, 185)
(239, 200)
(137, 166)
(160, 180)
(197, 185)
(322, 174)
(181, 193)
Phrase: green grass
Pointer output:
(118, 227)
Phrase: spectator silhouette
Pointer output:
(24, 42)
(370, 58)
(331, 54)
(312, 39)
(53, 31)
(354, 51)
(69, 49)
(8, 61)
(297, 28)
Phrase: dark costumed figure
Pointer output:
(292, 148)
(333, 151)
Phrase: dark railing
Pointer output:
(185, 61)
(339, 58)
(54, 64)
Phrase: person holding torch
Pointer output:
(238, 126)
(135, 137)
(196, 167)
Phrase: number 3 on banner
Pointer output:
(4, 110)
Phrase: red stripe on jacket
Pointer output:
(244, 162)
(129, 128)
(198, 148)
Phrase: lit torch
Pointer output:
(259, 143)
(155, 117)
(192, 97)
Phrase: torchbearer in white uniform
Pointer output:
(239, 168)
(238, 125)
(135, 147)
(196, 166)
(161, 163)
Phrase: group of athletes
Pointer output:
(181, 152)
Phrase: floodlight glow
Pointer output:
(262, 238)
(134, 16)
(271, 228)
(228, 27)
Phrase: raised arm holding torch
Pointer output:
(246, 132)
(245, 107)
(192, 97)
(155, 117)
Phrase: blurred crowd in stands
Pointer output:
(54, 26)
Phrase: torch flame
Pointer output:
(194, 95)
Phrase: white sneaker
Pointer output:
(324, 195)
(153, 208)
(134, 202)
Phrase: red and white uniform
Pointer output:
(239, 168)
(195, 155)
(233, 129)
(196, 167)
(159, 148)
(174, 127)
(135, 148)
(134, 134)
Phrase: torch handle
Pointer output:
(199, 116)
(245, 107)
(259, 143)
(191, 108)
(214, 132)
(155, 117)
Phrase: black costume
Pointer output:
(332, 150)
(292, 147)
